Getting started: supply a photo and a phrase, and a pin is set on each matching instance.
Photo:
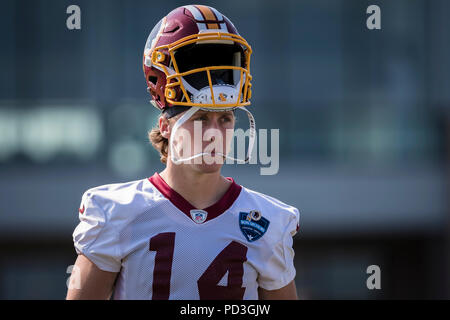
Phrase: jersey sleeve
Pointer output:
(94, 236)
(280, 269)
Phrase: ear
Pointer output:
(164, 127)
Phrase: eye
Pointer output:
(201, 118)
(227, 118)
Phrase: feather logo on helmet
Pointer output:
(222, 97)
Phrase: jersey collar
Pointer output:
(222, 205)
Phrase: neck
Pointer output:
(200, 189)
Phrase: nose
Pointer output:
(213, 123)
(213, 127)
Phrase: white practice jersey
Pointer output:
(164, 248)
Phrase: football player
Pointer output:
(188, 232)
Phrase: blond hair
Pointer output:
(160, 143)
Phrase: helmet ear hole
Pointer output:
(152, 79)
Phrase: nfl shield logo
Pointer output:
(199, 216)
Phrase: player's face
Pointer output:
(206, 132)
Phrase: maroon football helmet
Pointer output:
(195, 57)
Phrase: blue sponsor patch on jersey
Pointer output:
(253, 225)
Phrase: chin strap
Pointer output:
(188, 114)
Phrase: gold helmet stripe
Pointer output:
(209, 15)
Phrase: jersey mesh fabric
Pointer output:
(122, 221)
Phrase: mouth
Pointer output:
(214, 154)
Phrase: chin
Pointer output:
(208, 167)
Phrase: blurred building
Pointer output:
(364, 134)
